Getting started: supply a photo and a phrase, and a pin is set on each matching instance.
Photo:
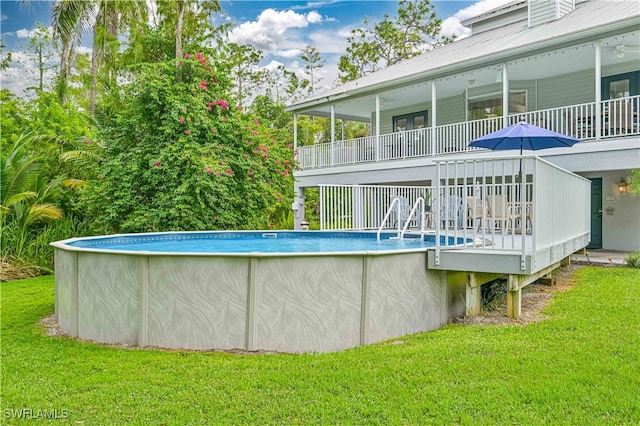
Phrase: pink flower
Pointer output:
(217, 172)
(265, 156)
(203, 85)
(100, 177)
(285, 173)
(156, 164)
(250, 173)
(208, 170)
(255, 132)
(277, 161)
(224, 119)
(199, 56)
(187, 56)
(181, 121)
(290, 146)
(279, 198)
(246, 156)
(186, 132)
(214, 131)
(247, 142)
(256, 121)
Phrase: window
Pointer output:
(415, 120)
(621, 85)
(491, 105)
(619, 89)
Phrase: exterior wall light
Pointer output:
(623, 186)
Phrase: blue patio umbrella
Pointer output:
(524, 136)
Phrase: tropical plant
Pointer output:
(634, 181)
(633, 259)
(27, 199)
(181, 156)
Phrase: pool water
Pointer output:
(251, 241)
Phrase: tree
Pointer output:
(181, 156)
(244, 60)
(414, 31)
(6, 60)
(106, 18)
(313, 63)
(40, 42)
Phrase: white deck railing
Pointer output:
(483, 202)
(589, 121)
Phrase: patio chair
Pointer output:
(501, 213)
(404, 210)
(451, 210)
(477, 212)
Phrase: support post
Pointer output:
(298, 207)
(377, 127)
(475, 280)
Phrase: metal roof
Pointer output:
(589, 21)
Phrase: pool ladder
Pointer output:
(396, 203)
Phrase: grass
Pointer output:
(581, 366)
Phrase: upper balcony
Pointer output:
(590, 122)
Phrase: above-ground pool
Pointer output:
(286, 291)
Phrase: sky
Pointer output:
(281, 29)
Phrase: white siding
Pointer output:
(541, 11)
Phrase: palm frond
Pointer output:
(17, 198)
(44, 212)
(75, 183)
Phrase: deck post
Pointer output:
(473, 300)
(475, 280)
(514, 303)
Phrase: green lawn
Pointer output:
(580, 366)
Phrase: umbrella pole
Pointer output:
(520, 172)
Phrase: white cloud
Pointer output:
(3, 17)
(314, 4)
(25, 33)
(83, 50)
(270, 31)
(22, 74)
(452, 25)
(329, 41)
(314, 17)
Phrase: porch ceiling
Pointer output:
(535, 67)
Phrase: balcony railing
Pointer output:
(522, 205)
(589, 121)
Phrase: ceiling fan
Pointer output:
(621, 49)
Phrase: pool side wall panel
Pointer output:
(197, 302)
(66, 279)
(108, 297)
(405, 297)
(308, 304)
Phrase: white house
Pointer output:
(572, 66)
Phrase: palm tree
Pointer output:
(25, 196)
(106, 18)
